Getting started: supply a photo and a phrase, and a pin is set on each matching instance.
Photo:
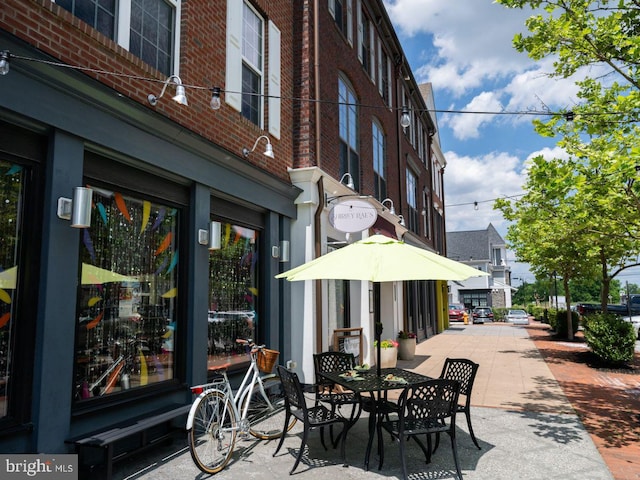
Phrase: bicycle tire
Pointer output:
(266, 422)
(213, 434)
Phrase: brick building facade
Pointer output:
(189, 222)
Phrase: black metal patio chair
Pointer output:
(464, 371)
(331, 394)
(424, 409)
(312, 418)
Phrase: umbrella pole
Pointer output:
(378, 340)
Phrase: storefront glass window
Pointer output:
(233, 294)
(11, 192)
(127, 315)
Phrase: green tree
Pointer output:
(600, 134)
(549, 229)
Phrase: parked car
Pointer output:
(456, 312)
(635, 321)
(482, 314)
(518, 317)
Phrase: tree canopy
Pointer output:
(580, 215)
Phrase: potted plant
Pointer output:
(407, 345)
(388, 353)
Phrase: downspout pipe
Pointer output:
(318, 160)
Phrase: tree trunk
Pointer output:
(565, 282)
(606, 283)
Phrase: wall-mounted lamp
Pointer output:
(392, 210)
(4, 62)
(401, 221)
(215, 98)
(424, 212)
(349, 183)
(281, 251)
(180, 97)
(268, 150)
(203, 236)
(215, 234)
(78, 209)
(405, 119)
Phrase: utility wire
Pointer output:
(568, 115)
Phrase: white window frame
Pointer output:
(123, 28)
(379, 151)
(271, 67)
(332, 11)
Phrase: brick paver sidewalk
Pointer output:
(607, 401)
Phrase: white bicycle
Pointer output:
(218, 414)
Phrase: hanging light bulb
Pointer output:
(405, 119)
(4, 62)
(475, 205)
(215, 98)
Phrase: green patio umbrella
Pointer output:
(381, 259)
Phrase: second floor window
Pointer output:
(252, 60)
(379, 162)
(349, 157)
(412, 206)
(147, 28)
(342, 11)
(253, 66)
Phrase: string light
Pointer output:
(567, 115)
(476, 202)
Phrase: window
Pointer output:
(497, 256)
(366, 43)
(233, 294)
(147, 28)
(342, 11)
(247, 68)
(426, 212)
(151, 34)
(384, 74)
(379, 162)
(252, 58)
(128, 295)
(101, 15)
(412, 194)
(348, 125)
(12, 184)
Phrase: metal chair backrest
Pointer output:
(333, 361)
(431, 400)
(462, 370)
(294, 396)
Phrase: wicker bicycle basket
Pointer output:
(266, 360)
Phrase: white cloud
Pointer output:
(465, 126)
(472, 40)
(479, 179)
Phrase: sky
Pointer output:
(464, 48)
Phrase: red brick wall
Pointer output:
(59, 34)
(337, 55)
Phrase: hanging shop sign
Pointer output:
(351, 216)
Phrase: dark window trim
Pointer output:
(28, 149)
(110, 173)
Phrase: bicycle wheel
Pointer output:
(266, 415)
(213, 434)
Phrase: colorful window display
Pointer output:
(128, 290)
(11, 196)
(233, 294)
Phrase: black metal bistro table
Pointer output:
(377, 386)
